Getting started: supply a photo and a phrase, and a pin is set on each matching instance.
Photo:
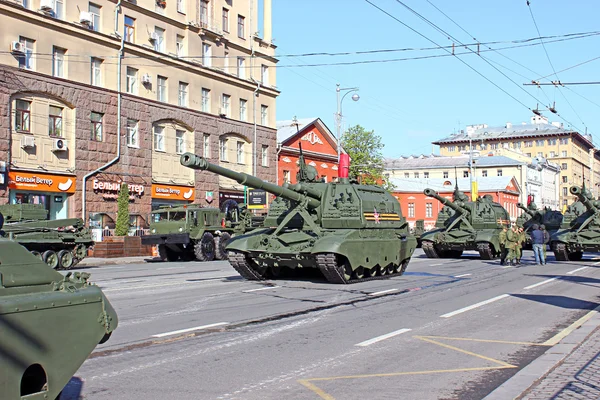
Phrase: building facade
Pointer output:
(93, 94)
(573, 152)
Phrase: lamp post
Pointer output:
(338, 115)
(471, 165)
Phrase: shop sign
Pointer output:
(257, 199)
(237, 196)
(173, 192)
(41, 182)
(110, 190)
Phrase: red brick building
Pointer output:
(319, 147)
(415, 205)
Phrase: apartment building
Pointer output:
(93, 94)
(574, 152)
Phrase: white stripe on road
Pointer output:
(162, 269)
(471, 307)
(460, 276)
(382, 337)
(382, 292)
(540, 283)
(197, 328)
(508, 266)
(259, 289)
(435, 265)
(576, 270)
(162, 285)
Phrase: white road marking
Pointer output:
(540, 283)
(259, 289)
(508, 266)
(460, 276)
(562, 334)
(576, 270)
(436, 265)
(382, 337)
(382, 292)
(471, 307)
(162, 285)
(162, 269)
(596, 263)
(196, 328)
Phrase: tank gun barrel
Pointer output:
(527, 210)
(444, 201)
(577, 191)
(193, 161)
(300, 188)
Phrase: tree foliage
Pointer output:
(122, 226)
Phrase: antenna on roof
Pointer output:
(455, 179)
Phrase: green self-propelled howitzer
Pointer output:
(350, 232)
(551, 219)
(465, 225)
(580, 228)
(49, 324)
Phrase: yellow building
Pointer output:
(574, 152)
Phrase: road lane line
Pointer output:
(383, 337)
(162, 269)
(576, 270)
(196, 328)
(256, 290)
(471, 307)
(508, 266)
(436, 265)
(382, 292)
(460, 276)
(540, 283)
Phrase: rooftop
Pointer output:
(485, 184)
(288, 128)
(435, 161)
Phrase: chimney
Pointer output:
(509, 125)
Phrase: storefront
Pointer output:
(52, 191)
(225, 195)
(171, 195)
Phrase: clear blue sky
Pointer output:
(411, 103)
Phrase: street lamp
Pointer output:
(338, 115)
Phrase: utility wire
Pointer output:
(568, 68)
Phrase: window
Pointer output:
(159, 138)
(55, 121)
(26, 59)
(183, 94)
(286, 176)
(96, 71)
(565, 202)
(161, 90)
(181, 6)
(223, 149)
(159, 39)
(416, 175)
(466, 174)
(132, 133)
(563, 166)
(241, 21)
(564, 191)
(131, 80)
(539, 142)
(506, 145)
(22, 115)
(552, 154)
(426, 175)
(226, 61)
(494, 146)
(499, 172)
(462, 148)
(565, 179)
(205, 100)
(225, 100)
(516, 145)
(95, 11)
(240, 152)
(58, 62)
(445, 174)
(528, 154)
(564, 141)
(411, 210)
(264, 156)
(428, 210)
(551, 142)
(179, 46)
(529, 143)
(264, 75)
(206, 54)
(25, 3)
(96, 125)
(451, 148)
(263, 114)
(206, 146)
(179, 141)
(484, 173)
(241, 67)
(204, 13)
(540, 154)
(129, 29)
(563, 153)
(483, 146)
(225, 20)
(58, 11)
(243, 113)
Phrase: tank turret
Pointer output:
(453, 205)
(527, 211)
(586, 200)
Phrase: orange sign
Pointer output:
(173, 192)
(41, 182)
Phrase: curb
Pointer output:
(117, 261)
(532, 374)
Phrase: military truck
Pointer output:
(60, 243)
(350, 232)
(193, 232)
(465, 225)
(49, 324)
(418, 230)
(551, 219)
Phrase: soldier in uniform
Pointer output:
(503, 250)
(521, 238)
(512, 237)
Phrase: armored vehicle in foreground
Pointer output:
(580, 228)
(465, 225)
(350, 232)
(551, 219)
(60, 243)
(49, 324)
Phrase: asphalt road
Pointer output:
(447, 329)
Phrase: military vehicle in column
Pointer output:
(350, 232)
(418, 230)
(60, 243)
(49, 324)
(580, 228)
(465, 225)
(532, 215)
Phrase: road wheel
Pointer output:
(205, 248)
(37, 254)
(51, 259)
(80, 251)
(220, 243)
(65, 259)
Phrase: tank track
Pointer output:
(485, 251)
(240, 264)
(334, 273)
(560, 252)
(429, 249)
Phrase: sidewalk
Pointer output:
(98, 262)
(568, 370)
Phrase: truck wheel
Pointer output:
(205, 248)
(220, 243)
(51, 259)
(65, 259)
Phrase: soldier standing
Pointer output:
(519, 248)
(502, 240)
(512, 236)
(546, 240)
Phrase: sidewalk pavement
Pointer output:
(98, 262)
(567, 370)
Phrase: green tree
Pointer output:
(366, 160)
(122, 228)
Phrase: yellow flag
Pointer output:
(474, 191)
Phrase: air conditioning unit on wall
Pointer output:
(27, 142)
(59, 145)
(222, 111)
(85, 18)
(146, 79)
(17, 47)
(47, 5)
